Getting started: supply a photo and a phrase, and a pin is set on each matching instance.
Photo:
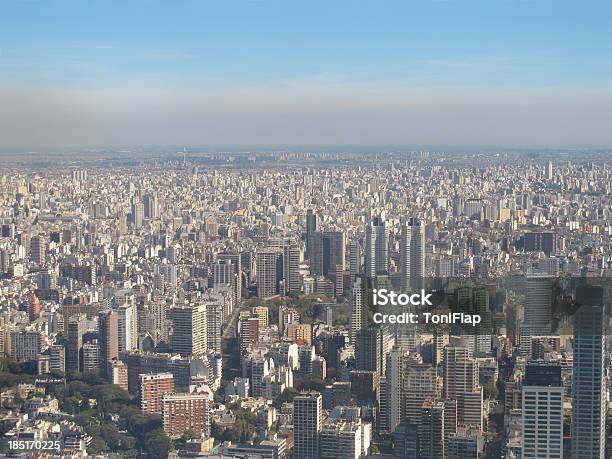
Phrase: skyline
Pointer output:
(269, 73)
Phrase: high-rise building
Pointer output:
(354, 257)
(307, 425)
(189, 329)
(214, 325)
(377, 248)
(368, 349)
(151, 205)
(291, 268)
(549, 170)
(108, 339)
(76, 329)
(461, 384)
(540, 241)
(393, 384)
(138, 211)
(419, 383)
(412, 255)
(25, 345)
(33, 306)
(248, 332)
(118, 374)
(342, 439)
(127, 326)
(236, 260)
(359, 313)
(57, 358)
(187, 412)
(269, 272)
(542, 410)
(465, 444)
(406, 442)
(153, 387)
(225, 273)
(38, 248)
(538, 309)
(91, 355)
(311, 227)
(431, 430)
(588, 383)
(327, 252)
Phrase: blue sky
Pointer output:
(111, 63)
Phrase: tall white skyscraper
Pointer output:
(542, 410)
(358, 315)
(377, 248)
(588, 388)
(127, 327)
(412, 255)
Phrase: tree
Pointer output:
(157, 444)
(490, 391)
(287, 396)
(189, 435)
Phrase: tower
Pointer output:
(307, 425)
(588, 389)
(189, 329)
(412, 255)
(108, 339)
(377, 248)
(542, 409)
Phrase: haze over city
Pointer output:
(255, 73)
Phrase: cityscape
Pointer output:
(323, 229)
(190, 303)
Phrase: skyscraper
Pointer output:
(307, 425)
(236, 260)
(327, 251)
(151, 205)
(311, 227)
(461, 384)
(537, 311)
(377, 248)
(76, 329)
(431, 430)
(291, 267)
(127, 327)
(108, 339)
(269, 272)
(412, 255)
(588, 388)
(189, 329)
(38, 248)
(542, 410)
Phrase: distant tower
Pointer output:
(76, 329)
(189, 330)
(108, 339)
(311, 227)
(269, 272)
(377, 248)
(38, 247)
(538, 310)
(549, 170)
(412, 255)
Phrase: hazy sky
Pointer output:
(261, 72)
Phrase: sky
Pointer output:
(289, 72)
